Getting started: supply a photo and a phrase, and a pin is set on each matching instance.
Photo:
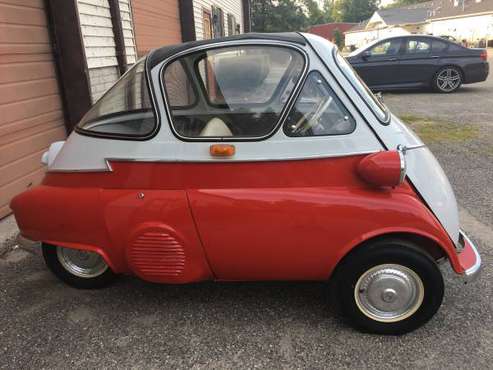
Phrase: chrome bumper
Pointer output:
(471, 273)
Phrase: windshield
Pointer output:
(370, 99)
(125, 110)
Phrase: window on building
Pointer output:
(231, 25)
(125, 110)
(318, 111)
(242, 90)
(217, 22)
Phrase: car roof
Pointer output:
(160, 54)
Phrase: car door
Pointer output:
(273, 205)
(418, 61)
(379, 64)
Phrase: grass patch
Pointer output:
(432, 130)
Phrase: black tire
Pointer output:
(399, 253)
(53, 262)
(438, 84)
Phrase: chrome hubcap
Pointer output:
(448, 79)
(389, 292)
(81, 263)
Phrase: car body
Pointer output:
(419, 61)
(254, 157)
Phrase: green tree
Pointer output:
(338, 38)
(278, 16)
(399, 3)
(317, 15)
(353, 10)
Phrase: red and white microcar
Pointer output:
(256, 157)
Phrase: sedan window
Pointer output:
(386, 48)
(418, 47)
(438, 46)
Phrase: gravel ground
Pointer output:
(132, 324)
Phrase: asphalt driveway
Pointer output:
(132, 324)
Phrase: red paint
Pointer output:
(467, 258)
(381, 169)
(286, 220)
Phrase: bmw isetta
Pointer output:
(254, 157)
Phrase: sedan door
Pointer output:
(418, 62)
(378, 65)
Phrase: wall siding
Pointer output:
(228, 6)
(128, 32)
(31, 115)
(99, 45)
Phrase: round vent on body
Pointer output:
(156, 255)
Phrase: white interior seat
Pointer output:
(217, 128)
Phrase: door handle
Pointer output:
(435, 56)
(393, 60)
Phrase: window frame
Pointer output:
(337, 99)
(399, 39)
(125, 137)
(285, 110)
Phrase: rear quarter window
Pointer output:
(124, 111)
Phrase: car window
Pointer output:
(125, 110)
(355, 80)
(318, 111)
(242, 90)
(415, 46)
(386, 48)
(438, 46)
(179, 86)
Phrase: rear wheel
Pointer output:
(447, 80)
(389, 287)
(78, 268)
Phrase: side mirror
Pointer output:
(383, 169)
(366, 54)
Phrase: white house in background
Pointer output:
(217, 18)
(469, 20)
(390, 22)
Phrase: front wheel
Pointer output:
(447, 80)
(389, 287)
(78, 268)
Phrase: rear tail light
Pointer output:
(484, 55)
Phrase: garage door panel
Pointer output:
(18, 72)
(20, 167)
(22, 129)
(31, 116)
(15, 14)
(14, 151)
(10, 93)
(30, 108)
(23, 34)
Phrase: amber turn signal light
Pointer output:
(222, 150)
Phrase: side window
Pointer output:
(318, 111)
(125, 110)
(241, 91)
(179, 86)
(386, 48)
(438, 47)
(417, 47)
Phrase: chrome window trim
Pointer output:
(388, 116)
(287, 107)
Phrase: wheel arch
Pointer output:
(459, 68)
(425, 243)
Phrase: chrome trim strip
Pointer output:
(209, 160)
(472, 271)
